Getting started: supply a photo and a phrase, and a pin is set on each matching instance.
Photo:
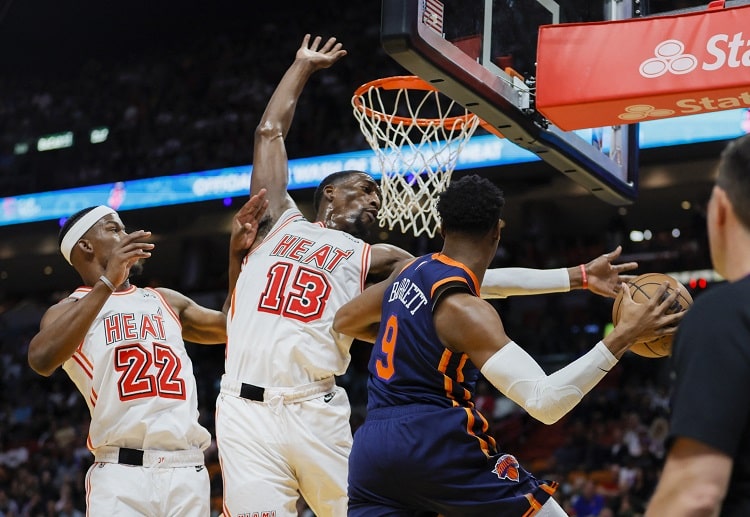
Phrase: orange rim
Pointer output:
(404, 82)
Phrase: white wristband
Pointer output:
(106, 282)
(546, 397)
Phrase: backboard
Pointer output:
(482, 54)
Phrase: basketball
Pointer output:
(642, 288)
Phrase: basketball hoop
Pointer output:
(417, 134)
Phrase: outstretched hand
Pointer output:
(246, 222)
(604, 277)
(322, 57)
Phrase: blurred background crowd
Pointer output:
(192, 103)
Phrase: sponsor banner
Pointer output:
(609, 73)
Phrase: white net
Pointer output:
(417, 134)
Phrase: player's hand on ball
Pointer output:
(650, 319)
(643, 288)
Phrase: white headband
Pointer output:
(80, 227)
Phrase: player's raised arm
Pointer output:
(270, 162)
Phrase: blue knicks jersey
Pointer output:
(409, 365)
(424, 446)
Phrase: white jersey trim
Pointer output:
(167, 305)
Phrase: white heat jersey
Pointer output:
(279, 326)
(136, 376)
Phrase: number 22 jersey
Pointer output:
(134, 372)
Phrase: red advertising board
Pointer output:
(609, 73)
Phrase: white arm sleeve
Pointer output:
(515, 281)
(546, 397)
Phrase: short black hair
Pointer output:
(734, 177)
(70, 222)
(332, 178)
(470, 205)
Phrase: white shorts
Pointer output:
(126, 490)
(272, 451)
(551, 509)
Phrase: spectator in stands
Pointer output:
(588, 503)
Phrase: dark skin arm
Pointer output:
(244, 232)
(270, 161)
(199, 324)
(360, 317)
(384, 259)
(64, 326)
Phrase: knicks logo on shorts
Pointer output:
(507, 467)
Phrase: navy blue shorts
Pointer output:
(420, 460)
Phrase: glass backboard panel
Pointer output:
(482, 53)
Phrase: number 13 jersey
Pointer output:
(279, 326)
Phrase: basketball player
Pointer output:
(123, 348)
(423, 446)
(282, 425)
(707, 469)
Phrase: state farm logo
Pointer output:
(670, 56)
(641, 111)
(687, 106)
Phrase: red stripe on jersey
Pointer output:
(82, 363)
(129, 290)
(79, 351)
(88, 491)
(365, 266)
